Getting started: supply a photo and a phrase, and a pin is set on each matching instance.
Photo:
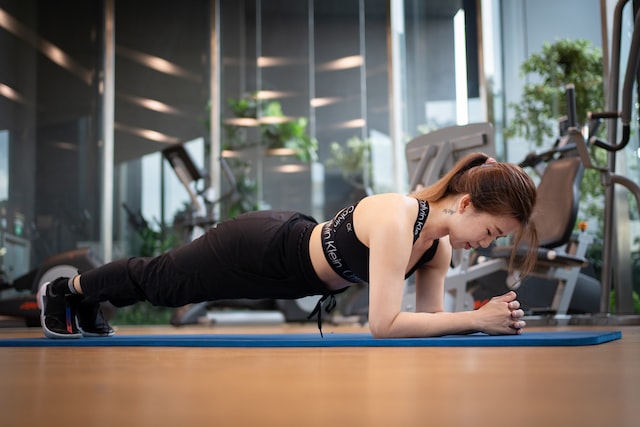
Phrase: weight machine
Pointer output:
(609, 178)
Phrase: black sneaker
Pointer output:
(57, 314)
(91, 320)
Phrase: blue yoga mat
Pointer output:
(557, 338)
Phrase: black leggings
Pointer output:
(262, 254)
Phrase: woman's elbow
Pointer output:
(381, 329)
(379, 333)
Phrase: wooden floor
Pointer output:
(307, 387)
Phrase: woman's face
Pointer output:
(473, 229)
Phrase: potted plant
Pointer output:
(257, 129)
(543, 99)
(278, 133)
(353, 160)
(543, 102)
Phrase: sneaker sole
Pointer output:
(47, 332)
(94, 334)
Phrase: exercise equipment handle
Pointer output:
(534, 159)
(572, 115)
(631, 71)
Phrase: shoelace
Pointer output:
(330, 300)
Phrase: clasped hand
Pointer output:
(502, 315)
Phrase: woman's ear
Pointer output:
(464, 203)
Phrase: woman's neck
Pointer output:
(440, 213)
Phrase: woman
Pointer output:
(381, 240)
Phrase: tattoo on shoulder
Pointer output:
(448, 211)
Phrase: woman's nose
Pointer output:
(485, 242)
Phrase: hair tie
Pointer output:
(478, 161)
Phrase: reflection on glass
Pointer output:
(460, 58)
(9, 93)
(162, 193)
(4, 165)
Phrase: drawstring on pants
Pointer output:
(330, 300)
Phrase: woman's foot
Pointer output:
(57, 313)
(91, 320)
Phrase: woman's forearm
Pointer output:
(502, 315)
(411, 325)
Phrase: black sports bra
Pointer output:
(349, 257)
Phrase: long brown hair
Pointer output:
(496, 188)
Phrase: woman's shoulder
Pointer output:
(392, 205)
(387, 216)
(394, 199)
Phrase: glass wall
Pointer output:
(49, 148)
(328, 62)
(305, 97)
(442, 65)
(161, 99)
(318, 67)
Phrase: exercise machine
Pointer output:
(22, 305)
(612, 181)
(430, 155)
